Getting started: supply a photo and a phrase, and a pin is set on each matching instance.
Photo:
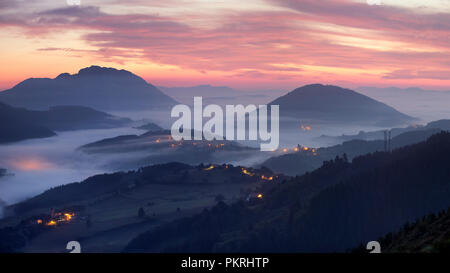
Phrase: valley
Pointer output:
(122, 183)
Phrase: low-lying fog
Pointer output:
(37, 165)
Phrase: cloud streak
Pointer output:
(331, 41)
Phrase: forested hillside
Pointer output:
(332, 209)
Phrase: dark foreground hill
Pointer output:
(19, 124)
(333, 209)
(430, 234)
(336, 105)
(102, 88)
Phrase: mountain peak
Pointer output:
(102, 88)
(95, 70)
(337, 104)
(325, 94)
(63, 76)
(321, 88)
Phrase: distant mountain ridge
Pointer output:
(15, 127)
(425, 104)
(19, 124)
(204, 90)
(333, 104)
(69, 117)
(220, 95)
(443, 124)
(98, 87)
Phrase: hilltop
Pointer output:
(333, 104)
(106, 89)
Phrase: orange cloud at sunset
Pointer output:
(262, 44)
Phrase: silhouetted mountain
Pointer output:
(19, 124)
(333, 104)
(309, 159)
(66, 118)
(101, 88)
(333, 209)
(443, 124)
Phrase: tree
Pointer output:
(219, 198)
(141, 212)
(345, 158)
(88, 221)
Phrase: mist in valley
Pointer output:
(37, 165)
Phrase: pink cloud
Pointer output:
(255, 41)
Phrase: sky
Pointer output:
(251, 44)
